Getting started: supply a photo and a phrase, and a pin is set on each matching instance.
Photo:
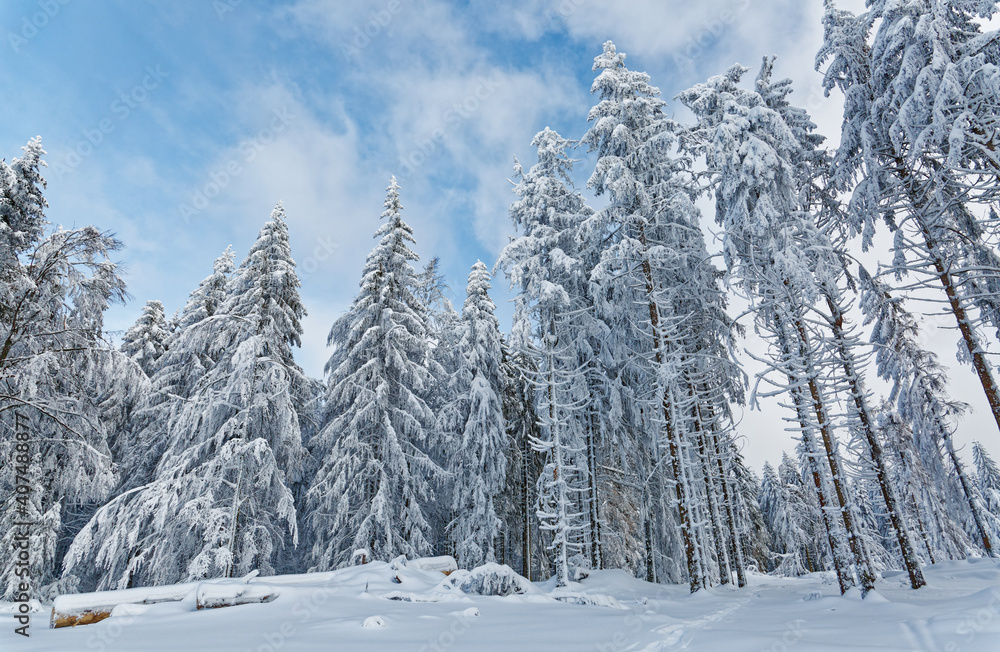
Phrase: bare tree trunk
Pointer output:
(716, 533)
(860, 400)
(674, 443)
(969, 495)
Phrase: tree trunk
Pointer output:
(958, 309)
(865, 572)
(969, 495)
(725, 572)
(596, 557)
(674, 443)
(860, 400)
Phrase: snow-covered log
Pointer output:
(444, 564)
(89, 608)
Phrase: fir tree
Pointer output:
(479, 463)
(372, 488)
(145, 341)
(220, 503)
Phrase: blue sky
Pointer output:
(178, 125)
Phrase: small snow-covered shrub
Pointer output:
(489, 579)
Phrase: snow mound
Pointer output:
(579, 597)
(444, 564)
(875, 596)
(489, 579)
(373, 622)
(400, 596)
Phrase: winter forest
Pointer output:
(599, 430)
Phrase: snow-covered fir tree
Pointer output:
(373, 486)
(654, 263)
(550, 279)
(914, 153)
(478, 464)
(145, 341)
(220, 503)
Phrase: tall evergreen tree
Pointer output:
(917, 139)
(145, 341)
(651, 242)
(220, 503)
(543, 262)
(372, 489)
(478, 467)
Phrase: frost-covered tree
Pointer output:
(145, 341)
(220, 502)
(653, 260)
(784, 265)
(988, 481)
(917, 149)
(210, 295)
(782, 512)
(190, 353)
(56, 370)
(524, 463)
(372, 488)
(478, 463)
(919, 392)
(543, 263)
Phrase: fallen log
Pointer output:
(89, 608)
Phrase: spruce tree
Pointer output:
(373, 486)
(478, 465)
(220, 503)
(145, 341)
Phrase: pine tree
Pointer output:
(548, 308)
(189, 354)
(220, 503)
(479, 463)
(916, 137)
(988, 481)
(656, 247)
(145, 341)
(372, 488)
(783, 263)
(919, 390)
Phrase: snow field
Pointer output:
(364, 608)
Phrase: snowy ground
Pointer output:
(352, 610)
